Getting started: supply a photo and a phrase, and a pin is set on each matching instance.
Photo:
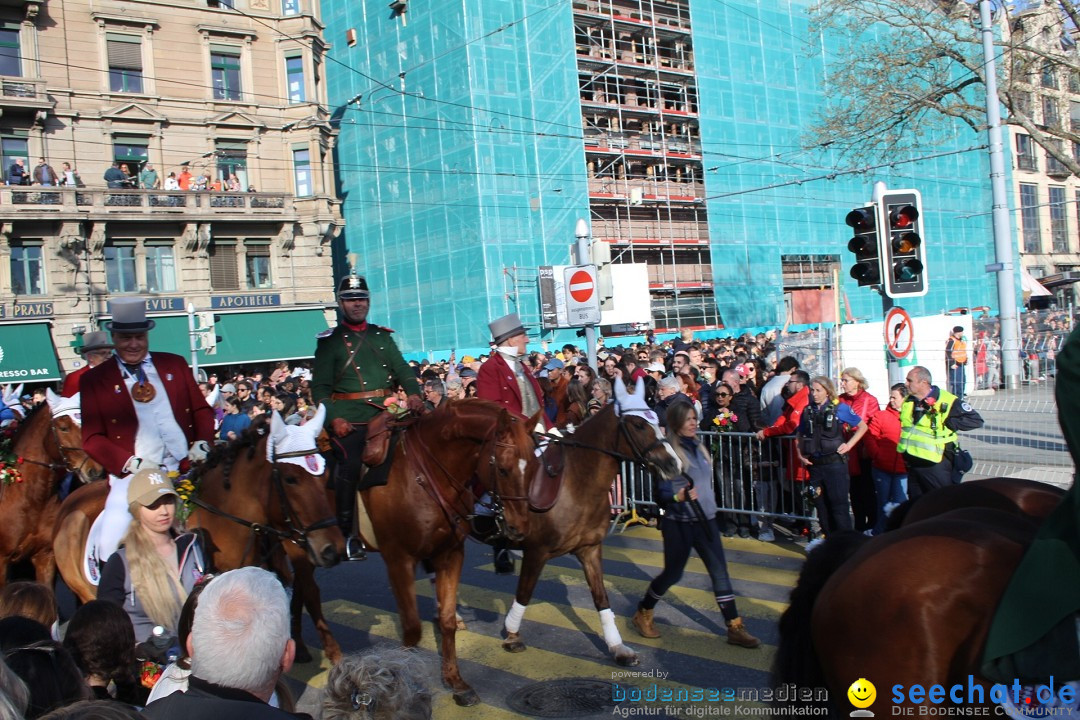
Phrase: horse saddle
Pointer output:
(545, 485)
(378, 440)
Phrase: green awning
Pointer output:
(248, 337)
(27, 353)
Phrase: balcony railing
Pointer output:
(1027, 162)
(108, 200)
(23, 92)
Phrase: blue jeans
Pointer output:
(890, 488)
(957, 379)
(679, 539)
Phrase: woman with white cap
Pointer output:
(155, 568)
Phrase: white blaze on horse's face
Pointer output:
(634, 404)
(61, 406)
(286, 439)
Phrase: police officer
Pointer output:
(929, 420)
(357, 366)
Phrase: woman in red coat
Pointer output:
(865, 405)
(890, 473)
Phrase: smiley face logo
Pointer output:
(862, 693)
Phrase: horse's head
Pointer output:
(64, 440)
(512, 464)
(640, 436)
(299, 480)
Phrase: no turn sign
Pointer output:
(582, 300)
(899, 333)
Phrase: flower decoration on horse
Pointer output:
(725, 420)
(9, 461)
(186, 491)
(395, 407)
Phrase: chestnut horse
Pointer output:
(423, 511)
(263, 490)
(581, 516)
(48, 443)
(912, 606)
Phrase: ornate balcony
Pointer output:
(108, 203)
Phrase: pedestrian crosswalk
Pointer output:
(561, 627)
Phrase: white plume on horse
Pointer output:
(61, 406)
(288, 439)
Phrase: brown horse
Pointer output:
(912, 606)
(263, 490)
(49, 443)
(423, 512)
(581, 516)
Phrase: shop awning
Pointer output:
(27, 353)
(1031, 285)
(247, 337)
(1061, 278)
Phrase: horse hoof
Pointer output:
(513, 643)
(303, 655)
(460, 622)
(467, 698)
(625, 657)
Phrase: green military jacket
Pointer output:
(377, 365)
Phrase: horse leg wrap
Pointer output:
(611, 633)
(513, 618)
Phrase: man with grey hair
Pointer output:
(239, 647)
(668, 392)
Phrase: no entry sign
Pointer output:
(581, 286)
(582, 300)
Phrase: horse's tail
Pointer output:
(796, 658)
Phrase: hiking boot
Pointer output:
(737, 634)
(643, 621)
(354, 549)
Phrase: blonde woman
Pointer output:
(155, 568)
(863, 496)
(823, 449)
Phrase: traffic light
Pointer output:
(867, 267)
(208, 339)
(904, 254)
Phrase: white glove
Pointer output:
(199, 450)
(11, 397)
(133, 464)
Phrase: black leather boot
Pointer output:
(345, 499)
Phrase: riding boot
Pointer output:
(737, 634)
(345, 499)
(504, 561)
(643, 621)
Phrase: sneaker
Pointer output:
(766, 536)
(354, 549)
(744, 532)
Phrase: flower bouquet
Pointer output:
(395, 407)
(186, 490)
(725, 420)
(9, 461)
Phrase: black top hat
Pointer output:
(129, 316)
(353, 287)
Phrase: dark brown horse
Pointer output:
(261, 491)
(422, 512)
(49, 444)
(581, 516)
(912, 606)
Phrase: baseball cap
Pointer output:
(554, 364)
(655, 367)
(148, 486)
(228, 387)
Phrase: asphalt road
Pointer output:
(562, 628)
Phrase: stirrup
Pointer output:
(354, 549)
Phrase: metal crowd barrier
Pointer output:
(752, 480)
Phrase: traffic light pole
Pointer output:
(584, 257)
(1003, 246)
(193, 341)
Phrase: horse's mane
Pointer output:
(450, 418)
(225, 455)
(25, 422)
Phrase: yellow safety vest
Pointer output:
(927, 438)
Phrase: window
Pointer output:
(1048, 77)
(257, 261)
(10, 53)
(1029, 217)
(290, 7)
(160, 267)
(232, 160)
(1051, 118)
(1055, 167)
(1074, 81)
(27, 268)
(1074, 115)
(1059, 224)
(294, 78)
(120, 267)
(223, 271)
(302, 172)
(225, 72)
(131, 150)
(11, 148)
(1025, 153)
(1022, 103)
(125, 63)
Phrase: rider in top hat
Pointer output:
(357, 366)
(140, 411)
(95, 350)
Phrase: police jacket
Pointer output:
(821, 428)
(928, 427)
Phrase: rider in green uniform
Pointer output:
(357, 366)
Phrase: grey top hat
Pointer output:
(506, 327)
(129, 315)
(96, 340)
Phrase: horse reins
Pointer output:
(63, 450)
(640, 455)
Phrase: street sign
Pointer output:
(899, 333)
(582, 300)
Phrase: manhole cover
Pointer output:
(567, 697)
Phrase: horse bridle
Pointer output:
(63, 449)
(294, 532)
(640, 455)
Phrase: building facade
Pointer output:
(232, 93)
(474, 134)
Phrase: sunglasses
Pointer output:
(723, 394)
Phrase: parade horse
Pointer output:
(624, 430)
(424, 510)
(46, 445)
(263, 490)
(912, 606)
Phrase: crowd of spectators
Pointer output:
(121, 176)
